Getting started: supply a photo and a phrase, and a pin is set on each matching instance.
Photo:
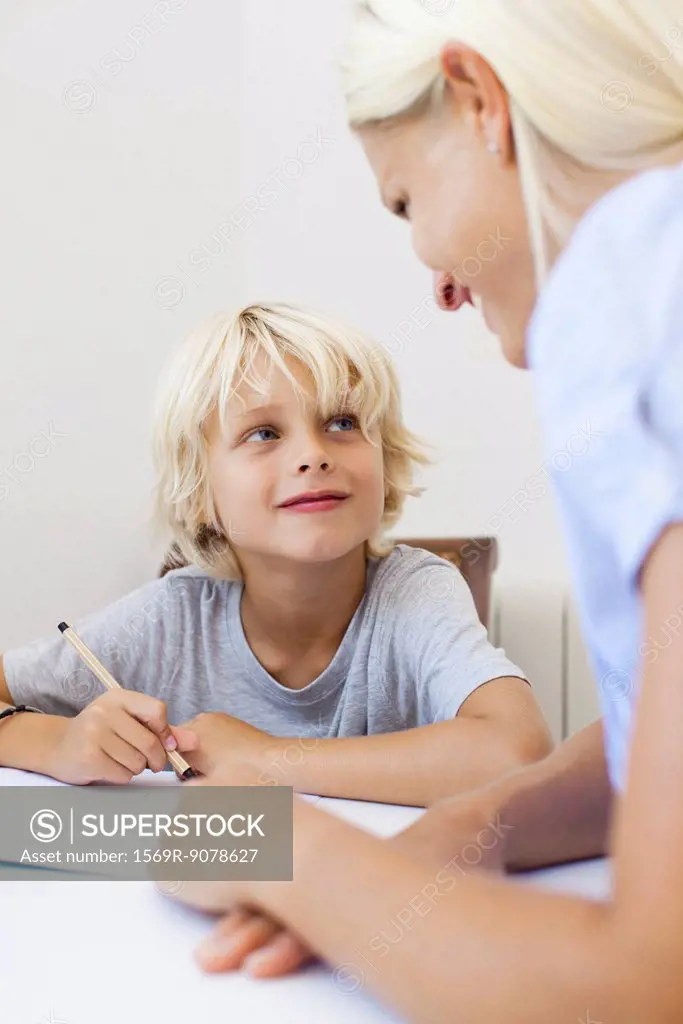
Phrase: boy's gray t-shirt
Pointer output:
(412, 653)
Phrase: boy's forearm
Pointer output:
(559, 809)
(27, 740)
(414, 767)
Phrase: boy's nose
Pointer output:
(312, 454)
(322, 463)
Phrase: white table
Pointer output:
(119, 953)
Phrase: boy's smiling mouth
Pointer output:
(314, 501)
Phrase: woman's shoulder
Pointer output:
(612, 290)
(644, 203)
(647, 208)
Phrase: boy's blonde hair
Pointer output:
(349, 373)
(590, 89)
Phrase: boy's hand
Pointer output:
(115, 738)
(221, 743)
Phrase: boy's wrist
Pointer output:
(28, 741)
(279, 760)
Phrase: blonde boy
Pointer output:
(297, 641)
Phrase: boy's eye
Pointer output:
(343, 423)
(258, 435)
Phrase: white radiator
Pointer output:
(538, 626)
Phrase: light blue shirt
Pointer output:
(606, 349)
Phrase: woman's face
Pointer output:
(463, 201)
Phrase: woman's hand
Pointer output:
(253, 941)
(462, 831)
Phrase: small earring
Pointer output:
(493, 148)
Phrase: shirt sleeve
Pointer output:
(443, 642)
(134, 638)
(609, 366)
(648, 496)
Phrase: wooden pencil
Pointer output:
(182, 768)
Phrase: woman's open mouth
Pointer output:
(450, 294)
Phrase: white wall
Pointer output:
(327, 241)
(225, 130)
(112, 173)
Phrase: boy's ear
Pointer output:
(207, 535)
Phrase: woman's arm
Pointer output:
(552, 812)
(436, 943)
(649, 821)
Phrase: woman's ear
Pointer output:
(478, 96)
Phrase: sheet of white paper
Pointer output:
(14, 777)
(11, 777)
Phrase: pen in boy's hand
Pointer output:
(182, 768)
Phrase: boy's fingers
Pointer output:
(282, 955)
(123, 753)
(186, 739)
(237, 935)
(144, 740)
(112, 771)
(152, 713)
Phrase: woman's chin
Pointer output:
(511, 342)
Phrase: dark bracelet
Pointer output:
(8, 712)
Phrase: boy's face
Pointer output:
(276, 449)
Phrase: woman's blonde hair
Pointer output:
(593, 85)
(350, 374)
